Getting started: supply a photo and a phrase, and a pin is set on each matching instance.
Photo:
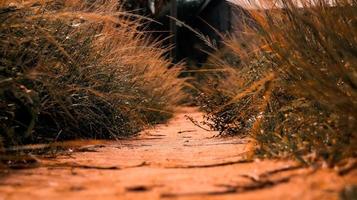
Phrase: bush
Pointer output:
(78, 69)
(295, 89)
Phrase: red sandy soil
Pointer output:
(173, 161)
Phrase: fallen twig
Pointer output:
(211, 165)
(231, 189)
(75, 165)
(196, 123)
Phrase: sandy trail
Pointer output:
(173, 161)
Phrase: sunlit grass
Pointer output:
(77, 69)
(294, 89)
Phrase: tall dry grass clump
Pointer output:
(294, 90)
(79, 69)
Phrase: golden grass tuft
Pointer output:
(74, 69)
(294, 89)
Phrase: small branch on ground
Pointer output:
(75, 165)
(196, 123)
(212, 165)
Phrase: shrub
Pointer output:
(295, 89)
(78, 69)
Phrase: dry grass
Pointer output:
(294, 90)
(79, 69)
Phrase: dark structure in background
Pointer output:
(212, 21)
(211, 18)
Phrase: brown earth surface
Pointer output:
(173, 161)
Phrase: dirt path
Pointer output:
(173, 161)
